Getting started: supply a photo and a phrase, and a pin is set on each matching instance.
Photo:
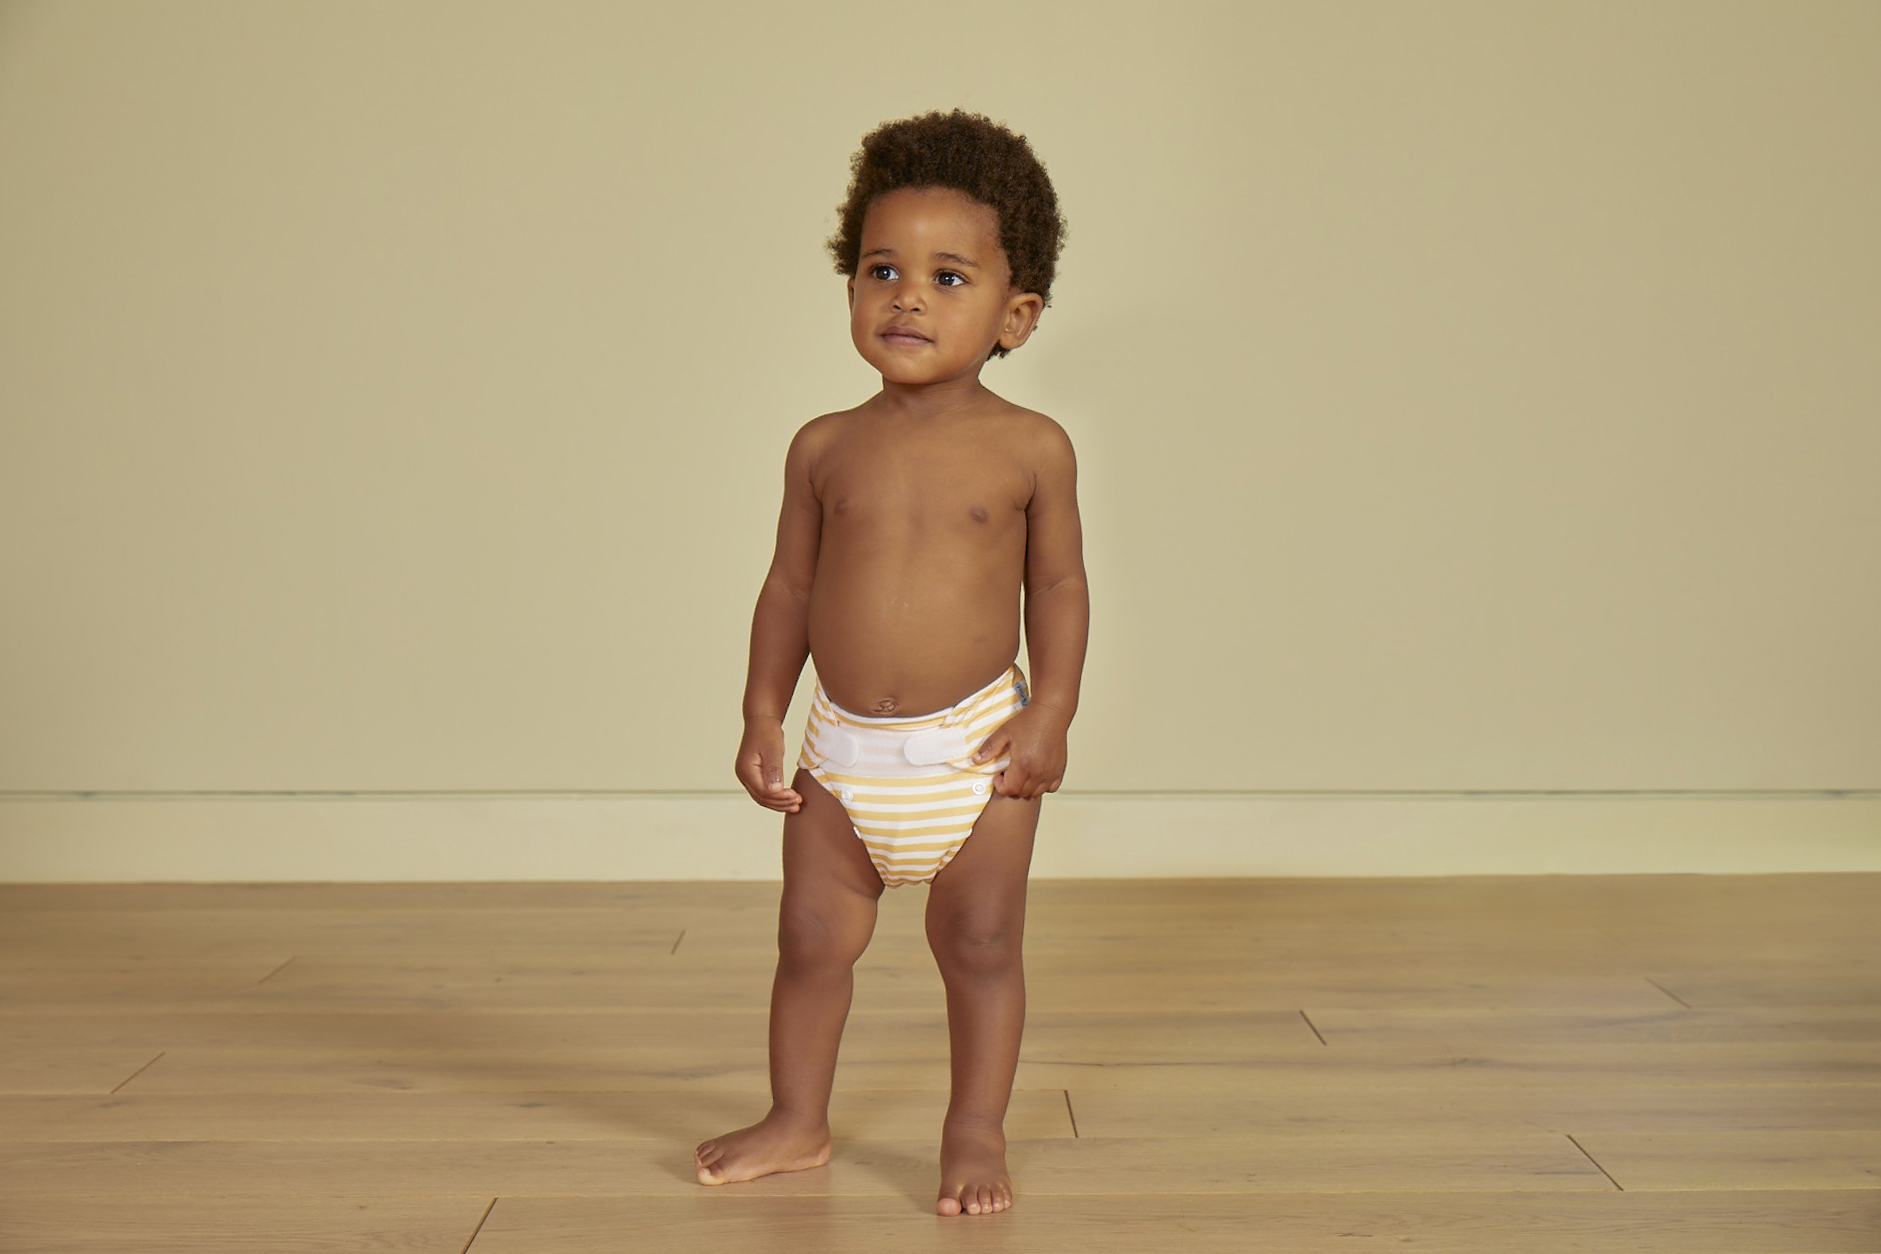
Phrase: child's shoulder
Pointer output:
(1038, 434)
(819, 433)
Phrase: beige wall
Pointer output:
(1469, 396)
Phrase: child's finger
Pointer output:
(766, 785)
(1040, 785)
(992, 747)
(775, 779)
(1013, 781)
(784, 801)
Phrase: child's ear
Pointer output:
(852, 293)
(1022, 314)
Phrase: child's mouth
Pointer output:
(905, 339)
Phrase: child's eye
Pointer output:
(885, 273)
(950, 278)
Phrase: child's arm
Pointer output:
(1057, 625)
(780, 630)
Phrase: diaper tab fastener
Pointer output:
(839, 746)
(935, 746)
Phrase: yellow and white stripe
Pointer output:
(910, 785)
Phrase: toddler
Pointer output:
(911, 525)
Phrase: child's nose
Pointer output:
(907, 296)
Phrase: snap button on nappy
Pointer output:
(848, 795)
(979, 790)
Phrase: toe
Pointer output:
(947, 1205)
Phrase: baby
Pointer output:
(910, 525)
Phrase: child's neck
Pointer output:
(931, 400)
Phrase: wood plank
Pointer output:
(702, 1039)
(1237, 1052)
(523, 974)
(1649, 1065)
(76, 1068)
(209, 1222)
(382, 1115)
(659, 982)
(1513, 896)
(1580, 1110)
(1840, 1222)
(1300, 1223)
(1795, 985)
(362, 931)
(557, 1071)
(1355, 984)
(391, 897)
(570, 1071)
(1831, 938)
(1383, 1029)
(105, 987)
(1812, 1159)
(1245, 1164)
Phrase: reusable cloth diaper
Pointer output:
(910, 785)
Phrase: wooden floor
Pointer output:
(1652, 1063)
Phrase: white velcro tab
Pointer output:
(937, 745)
(838, 746)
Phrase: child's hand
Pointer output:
(760, 766)
(1035, 737)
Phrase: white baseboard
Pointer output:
(65, 838)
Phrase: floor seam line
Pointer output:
(133, 1075)
(1595, 1161)
(284, 966)
(479, 1228)
(1668, 992)
(1309, 1023)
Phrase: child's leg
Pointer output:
(823, 925)
(976, 926)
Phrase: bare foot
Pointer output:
(774, 1143)
(973, 1172)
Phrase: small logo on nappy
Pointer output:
(1025, 693)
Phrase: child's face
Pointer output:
(932, 294)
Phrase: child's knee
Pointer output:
(976, 942)
(826, 931)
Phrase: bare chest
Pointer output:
(874, 485)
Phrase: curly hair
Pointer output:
(971, 154)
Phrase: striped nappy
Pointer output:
(910, 785)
